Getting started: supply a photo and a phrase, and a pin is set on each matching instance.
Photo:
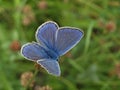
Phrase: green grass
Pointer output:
(94, 63)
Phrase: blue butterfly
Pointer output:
(52, 42)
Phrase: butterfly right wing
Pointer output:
(33, 51)
(67, 38)
(52, 66)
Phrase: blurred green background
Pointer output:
(94, 64)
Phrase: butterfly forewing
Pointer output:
(67, 38)
(46, 34)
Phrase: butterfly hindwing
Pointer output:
(67, 38)
(52, 66)
(33, 51)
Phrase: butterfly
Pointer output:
(52, 42)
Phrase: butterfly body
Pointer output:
(52, 42)
(52, 54)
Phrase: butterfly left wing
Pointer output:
(52, 66)
(46, 34)
(67, 38)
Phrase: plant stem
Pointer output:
(29, 82)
